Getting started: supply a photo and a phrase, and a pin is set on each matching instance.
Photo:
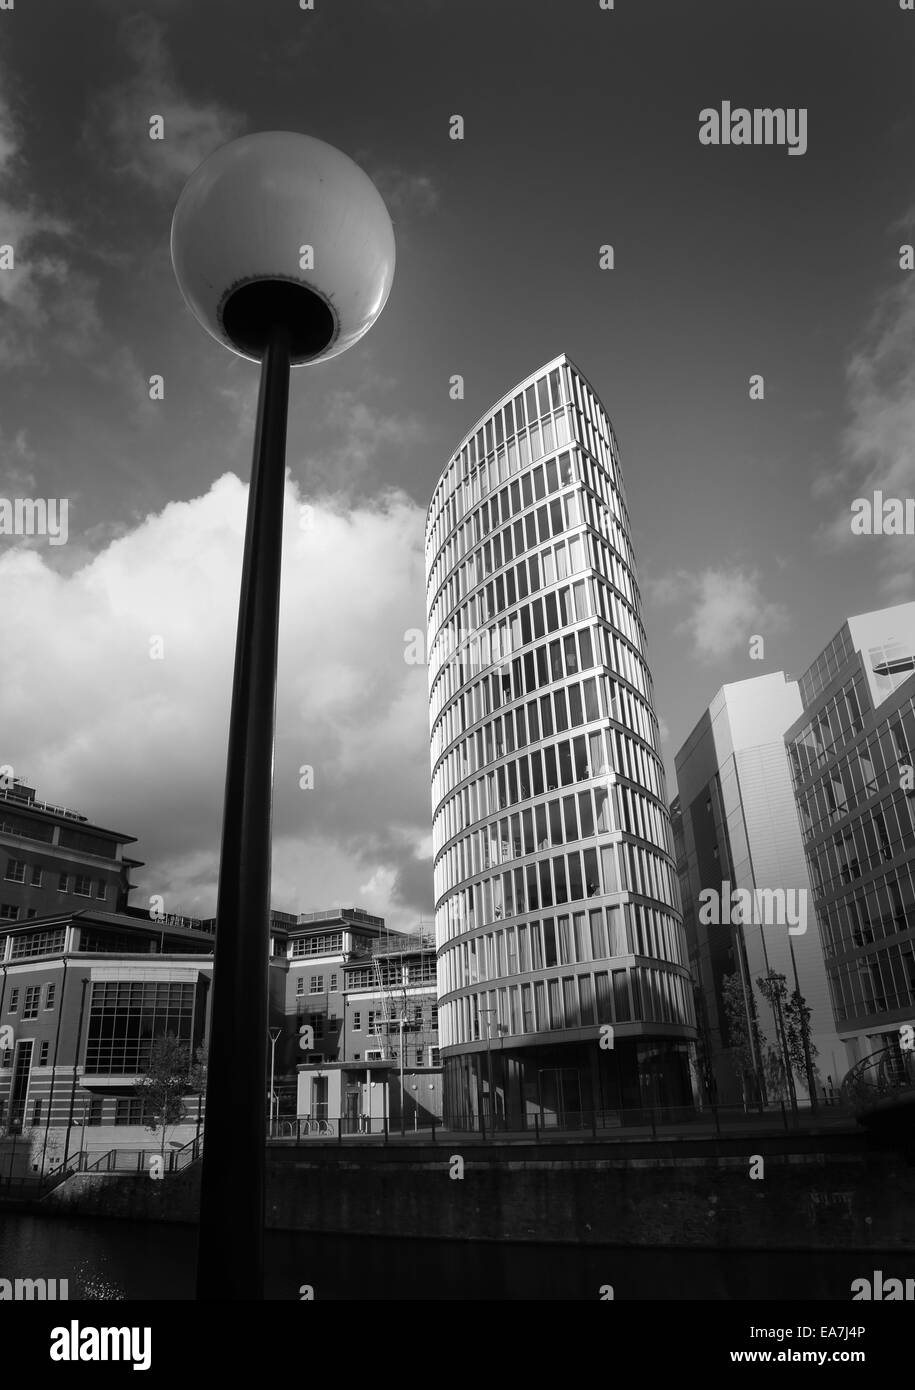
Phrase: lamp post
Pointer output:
(284, 251)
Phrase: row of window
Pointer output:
(534, 571)
(325, 945)
(12, 912)
(509, 439)
(564, 707)
(44, 1055)
(492, 645)
(315, 984)
(531, 446)
(17, 871)
(561, 820)
(25, 828)
(884, 908)
(489, 557)
(545, 770)
(469, 651)
(477, 648)
(881, 982)
(623, 929)
(826, 667)
(834, 725)
(546, 665)
(618, 867)
(424, 1058)
(876, 835)
(391, 972)
(875, 761)
(46, 942)
(590, 427)
(558, 561)
(31, 1000)
(636, 994)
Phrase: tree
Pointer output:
(167, 1079)
(792, 1021)
(801, 1048)
(744, 1050)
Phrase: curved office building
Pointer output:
(557, 907)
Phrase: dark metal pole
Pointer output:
(60, 1014)
(231, 1233)
(79, 1035)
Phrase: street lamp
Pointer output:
(284, 251)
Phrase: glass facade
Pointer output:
(857, 811)
(557, 904)
(125, 1017)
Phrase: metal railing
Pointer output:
(876, 1078)
(549, 1125)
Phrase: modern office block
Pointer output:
(736, 828)
(562, 972)
(852, 749)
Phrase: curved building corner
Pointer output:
(564, 988)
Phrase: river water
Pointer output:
(139, 1260)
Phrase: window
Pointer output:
(419, 1057)
(300, 985)
(9, 912)
(43, 1050)
(64, 884)
(128, 1110)
(36, 876)
(30, 1003)
(436, 1059)
(50, 993)
(126, 1015)
(318, 1021)
(357, 1021)
(38, 943)
(333, 983)
(15, 871)
(82, 885)
(101, 888)
(14, 1001)
(316, 984)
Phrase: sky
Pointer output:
(580, 130)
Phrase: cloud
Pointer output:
(877, 447)
(726, 607)
(362, 433)
(43, 295)
(140, 743)
(118, 125)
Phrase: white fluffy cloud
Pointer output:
(139, 744)
(726, 607)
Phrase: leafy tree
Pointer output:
(792, 1018)
(738, 1032)
(797, 1021)
(167, 1079)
